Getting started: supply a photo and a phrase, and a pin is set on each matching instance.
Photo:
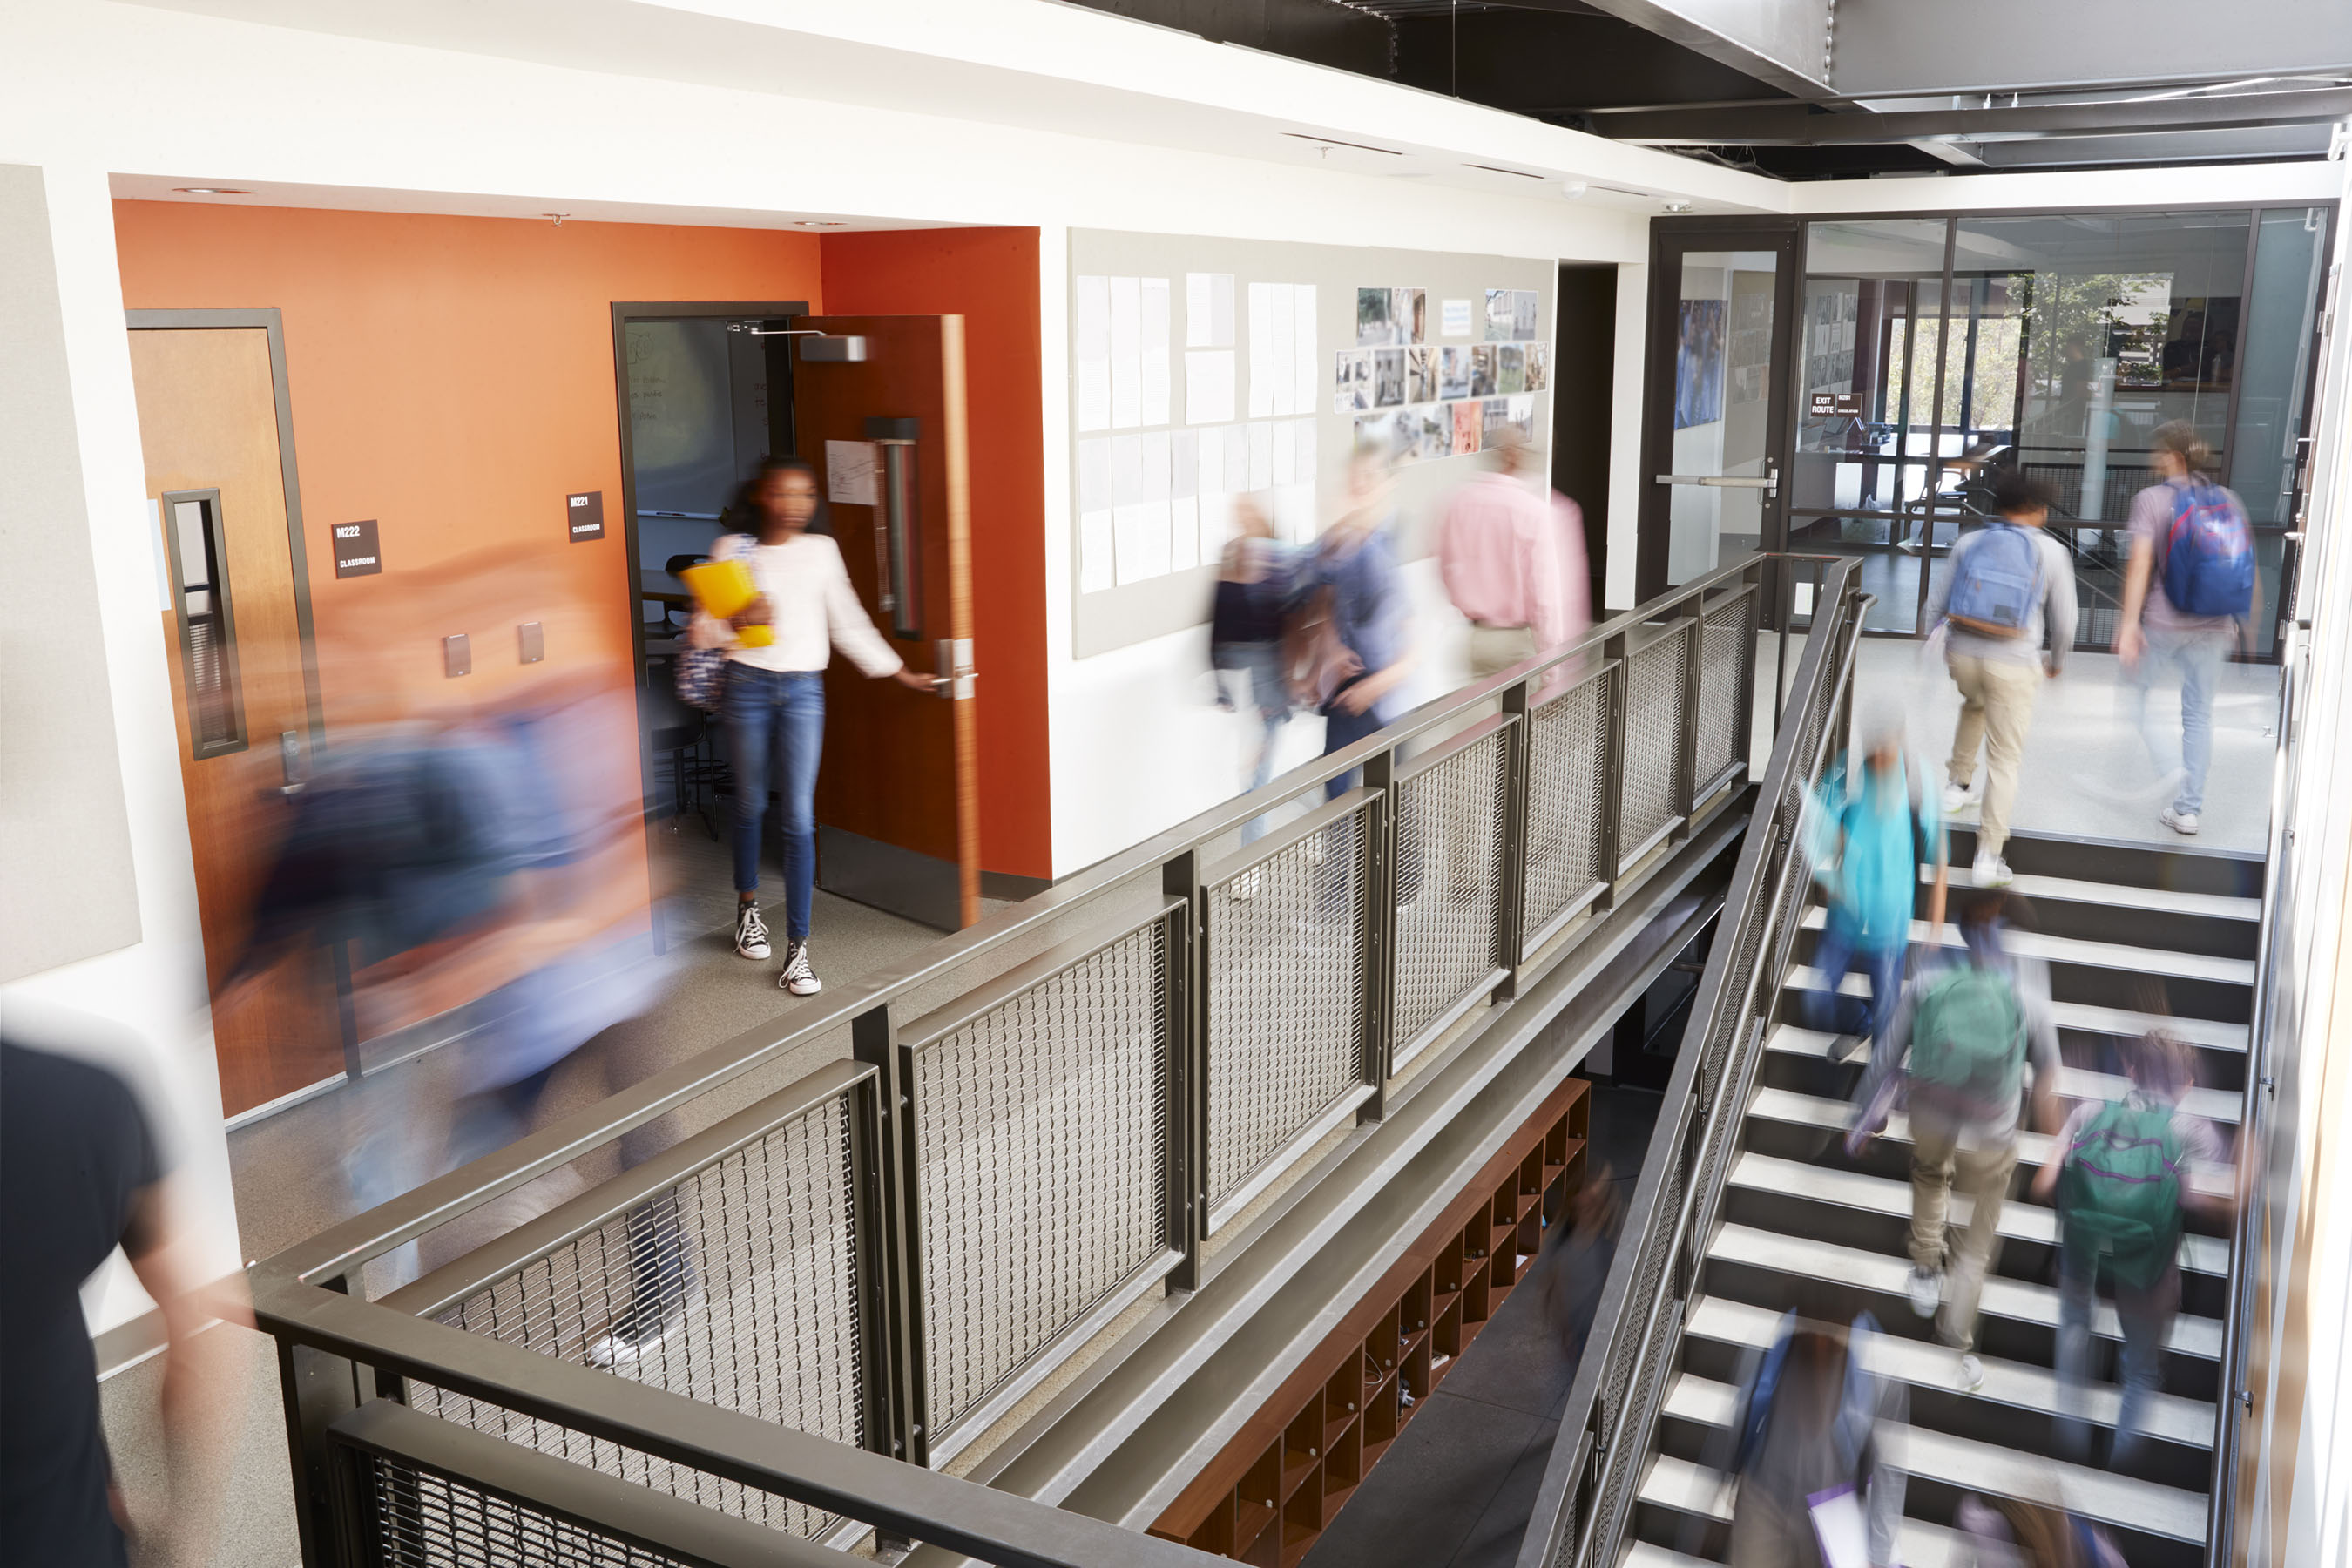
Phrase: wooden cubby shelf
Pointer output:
(1276, 1487)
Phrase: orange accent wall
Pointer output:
(988, 276)
(452, 378)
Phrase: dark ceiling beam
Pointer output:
(1789, 50)
(1798, 125)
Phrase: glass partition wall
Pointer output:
(1928, 352)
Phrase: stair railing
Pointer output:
(1588, 1488)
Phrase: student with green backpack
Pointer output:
(1964, 1033)
(2121, 1171)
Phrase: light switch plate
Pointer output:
(456, 656)
(532, 637)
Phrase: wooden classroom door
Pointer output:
(897, 804)
(233, 638)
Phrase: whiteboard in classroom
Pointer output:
(682, 437)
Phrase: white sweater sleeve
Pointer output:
(846, 621)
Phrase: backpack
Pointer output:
(1967, 1035)
(701, 673)
(1997, 583)
(2209, 554)
(2119, 1191)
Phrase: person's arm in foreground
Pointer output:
(2058, 611)
(204, 1370)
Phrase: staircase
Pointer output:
(2126, 930)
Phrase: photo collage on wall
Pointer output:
(1417, 399)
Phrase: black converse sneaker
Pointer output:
(750, 932)
(798, 978)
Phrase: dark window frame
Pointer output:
(225, 614)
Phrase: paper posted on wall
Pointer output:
(850, 473)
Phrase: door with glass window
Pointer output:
(1715, 415)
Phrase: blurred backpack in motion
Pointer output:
(1967, 1036)
(1997, 582)
(2119, 1191)
(2209, 554)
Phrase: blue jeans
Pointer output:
(2145, 1317)
(1259, 667)
(1839, 953)
(2196, 657)
(776, 717)
(1342, 729)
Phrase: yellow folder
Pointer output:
(724, 587)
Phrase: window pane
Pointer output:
(1723, 394)
(208, 661)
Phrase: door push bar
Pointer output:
(1769, 484)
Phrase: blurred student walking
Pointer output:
(774, 700)
(2190, 593)
(1966, 1031)
(1868, 837)
(1254, 586)
(1513, 563)
(1358, 617)
(2123, 1174)
(2008, 589)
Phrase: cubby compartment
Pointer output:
(1318, 1441)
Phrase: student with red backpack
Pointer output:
(2190, 593)
(2121, 1173)
(1965, 1033)
(2009, 590)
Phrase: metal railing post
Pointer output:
(1692, 614)
(1188, 1079)
(318, 1388)
(1617, 650)
(903, 1417)
(1510, 897)
(1379, 930)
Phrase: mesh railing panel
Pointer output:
(1449, 865)
(1286, 997)
(1042, 1129)
(1726, 649)
(1568, 751)
(1653, 734)
(739, 1287)
(422, 1520)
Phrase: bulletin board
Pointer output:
(1204, 370)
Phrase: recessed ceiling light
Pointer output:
(1677, 206)
(821, 222)
(209, 191)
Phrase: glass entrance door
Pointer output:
(1718, 410)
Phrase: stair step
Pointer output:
(1964, 1463)
(2019, 1220)
(2091, 954)
(1786, 1105)
(2206, 1034)
(2217, 1105)
(2119, 895)
(1885, 1274)
(2015, 1385)
(1685, 1487)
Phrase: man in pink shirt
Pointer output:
(1513, 563)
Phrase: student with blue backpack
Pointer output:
(2190, 592)
(2008, 589)
(2122, 1172)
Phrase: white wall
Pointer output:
(142, 1008)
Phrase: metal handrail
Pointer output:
(332, 1346)
(1561, 1529)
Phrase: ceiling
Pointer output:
(1804, 89)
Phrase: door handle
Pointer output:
(1769, 484)
(952, 661)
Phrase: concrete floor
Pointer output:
(2089, 771)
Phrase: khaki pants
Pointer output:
(1996, 710)
(1938, 1164)
(1493, 650)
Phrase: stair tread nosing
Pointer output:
(1883, 1274)
(1786, 1105)
(2017, 1385)
(2147, 1506)
(2119, 895)
(2207, 1034)
(2019, 1220)
(2082, 951)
